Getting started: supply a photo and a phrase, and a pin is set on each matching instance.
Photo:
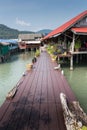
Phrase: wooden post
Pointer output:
(65, 41)
(77, 59)
(71, 60)
(73, 42)
(58, 59)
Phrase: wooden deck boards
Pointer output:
(36, 105)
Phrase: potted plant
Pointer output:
(77, 45)
(37, 53)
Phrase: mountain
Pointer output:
(44, 31)
(10, 33)
(6, 32)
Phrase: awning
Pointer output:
(80, 30)
(33, 42)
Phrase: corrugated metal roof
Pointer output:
(14, 41)
(4, 43)
(29, 36)
(79, 30)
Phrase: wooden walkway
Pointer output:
(36, 105)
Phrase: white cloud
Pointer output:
(22, 23)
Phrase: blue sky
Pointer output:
(34, 15)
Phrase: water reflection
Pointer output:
(11, 72)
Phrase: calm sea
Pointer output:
(78, 82)
(11, 72)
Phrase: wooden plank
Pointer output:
(35, 110)
(8, 112)
(23, 110)
(44, 116)
(29, 102)
(62, 55)
(6, 104)
(52, 105)
(37, 102)
(60, 117)
(16, 100)
(54, 124)
(12, 113)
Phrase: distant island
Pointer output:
(9, 33)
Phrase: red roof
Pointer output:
(67, 25)
(79, 30)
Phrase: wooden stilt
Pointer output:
(71, 63)
(71, 59)
(77, 59)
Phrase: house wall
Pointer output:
(4, 50)
(33, 46)
(4, 53)
(82, 23)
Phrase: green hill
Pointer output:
(6, 32)
(45, 31)
(9, 33)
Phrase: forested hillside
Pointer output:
(9, 33)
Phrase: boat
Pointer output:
(12, 93)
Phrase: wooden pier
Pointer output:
(36, 105)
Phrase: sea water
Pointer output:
(11, 72)
(78, 83)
